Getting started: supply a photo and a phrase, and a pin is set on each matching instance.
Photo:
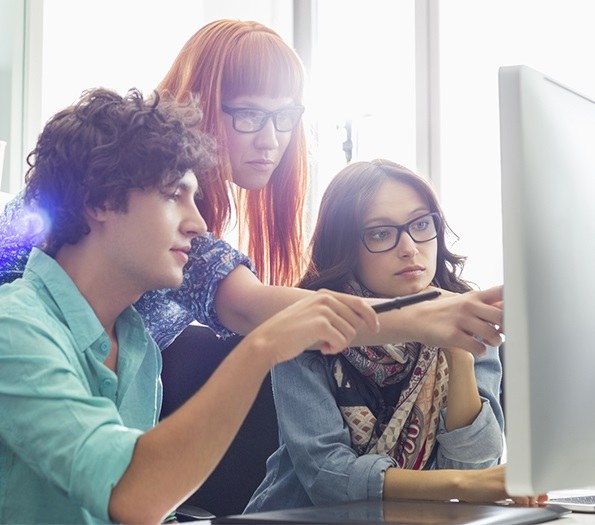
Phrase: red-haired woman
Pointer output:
(251, 86)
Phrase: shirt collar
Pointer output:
(77, 312)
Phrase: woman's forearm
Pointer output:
(486, 485)
(464, 321)
(464, 403)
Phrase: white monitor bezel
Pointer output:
(548, 179)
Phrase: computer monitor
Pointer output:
(547, 134)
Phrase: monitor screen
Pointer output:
(547, 134)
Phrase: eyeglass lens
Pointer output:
(247, 120)
(384, 238)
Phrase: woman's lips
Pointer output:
(262, 165)
(411, 271)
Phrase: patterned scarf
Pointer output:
(407, 430)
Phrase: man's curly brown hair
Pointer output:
(93, 153)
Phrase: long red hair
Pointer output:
(230, 58)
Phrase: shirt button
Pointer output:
(104, 346)
(107, 388)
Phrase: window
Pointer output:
(362, 94)
(476, 38)
(363, 85)
(366, 74)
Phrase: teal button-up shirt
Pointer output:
(68, 424)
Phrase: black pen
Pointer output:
(405, 300)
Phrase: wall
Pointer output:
(11, 83)
(86, 43)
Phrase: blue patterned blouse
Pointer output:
(165, 312)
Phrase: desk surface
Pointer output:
(578, 519)
(417, 512)
(574, 518)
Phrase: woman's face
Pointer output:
(254, 156)
(409, 267)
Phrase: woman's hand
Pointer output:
(469, 320)
(489, 485)
(477, 486)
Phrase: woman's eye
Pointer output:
(249, 115)
(420, 225)
(379, 235)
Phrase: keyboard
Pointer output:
(584, 503)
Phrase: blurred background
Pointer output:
(414, 81)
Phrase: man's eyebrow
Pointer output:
(194, 189)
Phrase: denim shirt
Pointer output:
(315, 464)
(165, 312)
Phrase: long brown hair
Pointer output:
(230, 58)
(334, 245)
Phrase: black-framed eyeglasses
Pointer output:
(251, 120)
(385, 237)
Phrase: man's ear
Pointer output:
(97, 213)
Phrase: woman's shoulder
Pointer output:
(311, 366)
(15, 242)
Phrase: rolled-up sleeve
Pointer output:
(71, 439)
(481, 444)
(317, 440)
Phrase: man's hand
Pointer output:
(325, 319)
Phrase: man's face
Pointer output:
(149, 243)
